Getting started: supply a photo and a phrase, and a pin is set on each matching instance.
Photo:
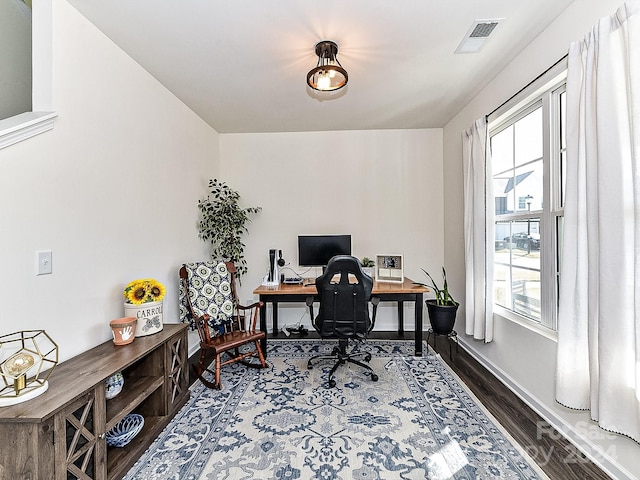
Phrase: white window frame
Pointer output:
(545, 93)
(556, 207)
(26, 125)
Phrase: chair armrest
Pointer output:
(248, 313)
(249, 307)
(202, 324)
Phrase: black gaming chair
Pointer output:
(344, 292)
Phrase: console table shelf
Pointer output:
(61, 433)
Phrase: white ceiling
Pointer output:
(241, 65)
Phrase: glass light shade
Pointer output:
(324, 81)
(18, 364)
(328, 74)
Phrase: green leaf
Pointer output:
(223, 222)
(443, 297)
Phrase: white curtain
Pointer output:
(479, 213)
(598, 365)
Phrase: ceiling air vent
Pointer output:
(477, 35)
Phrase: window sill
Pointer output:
(525, 322)
(26, 125)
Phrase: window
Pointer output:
(15, 57)
(25, 125)
(528, 160)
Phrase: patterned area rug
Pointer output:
(418, 421)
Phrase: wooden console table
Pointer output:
(406, 291)
(61, 433)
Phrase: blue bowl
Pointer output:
(125, 430)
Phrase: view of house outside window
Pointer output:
(527, 152)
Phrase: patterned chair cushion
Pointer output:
(209, 288)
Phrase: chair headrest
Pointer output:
(345, 265)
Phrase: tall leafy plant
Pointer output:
(443, 297)
(223, 223)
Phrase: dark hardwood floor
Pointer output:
(559, 459)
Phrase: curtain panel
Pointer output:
(479, 230)
(598, 366)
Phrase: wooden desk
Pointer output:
(386, 291)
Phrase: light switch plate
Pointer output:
(44, 265)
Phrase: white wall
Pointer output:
(383, 187)
(112, 190)
(15, 59)
(524, 359)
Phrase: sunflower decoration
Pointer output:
(144, 290)
(156, 290)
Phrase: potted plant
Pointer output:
(143, 301)
(368, 266)
(223, 222)
(442, 309)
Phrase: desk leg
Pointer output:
(263, 327)
(400, 318)
(274, 308)
(418, 325)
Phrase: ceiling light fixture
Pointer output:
(328, 74)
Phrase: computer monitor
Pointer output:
(317, 250)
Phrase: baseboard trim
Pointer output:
(588, 448)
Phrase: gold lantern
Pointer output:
(27, 359)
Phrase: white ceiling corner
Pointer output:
(242, 65)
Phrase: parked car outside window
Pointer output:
(525, 240)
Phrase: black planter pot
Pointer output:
(442, 317)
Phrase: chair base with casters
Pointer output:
(341, 357)
(231, 329)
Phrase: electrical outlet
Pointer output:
(43, 262)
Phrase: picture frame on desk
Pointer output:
(389, 268)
